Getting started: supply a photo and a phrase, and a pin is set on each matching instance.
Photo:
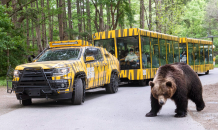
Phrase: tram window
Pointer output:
(206, 55)
(183, 53)
(128, 52)
(169, 52)
(196, 51)
(145, 43)
(201, 54)
(108, 44)
(154, 52)
(210, 55)
(190, 54)
(176, 51)
(162, 51)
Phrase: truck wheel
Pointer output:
(77, 92)
(114, 84)
(27, 102)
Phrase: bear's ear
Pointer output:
(169, 84)
(151, 83)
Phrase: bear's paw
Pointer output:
(151, 114)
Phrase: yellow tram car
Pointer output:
(142, 52)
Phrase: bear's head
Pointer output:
(162, 90)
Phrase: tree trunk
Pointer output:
(27, 31)
(43, 26)
(89, 20)
(108, 18)
(158, 13)
(64, 21)
(83, 14)
(150, 16)
(32, 31)
(14, 17)
(130, 9)
(8, 61)
(38, 33)
(101, 21)
(79, 19)
(50, 23)
(70, 19)
(4, 2)
(60, 21)
(142, 15)
(96, 17)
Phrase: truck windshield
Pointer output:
(60, 54)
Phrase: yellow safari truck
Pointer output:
(65, 71)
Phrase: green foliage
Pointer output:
(191, 23)
(11, 42)
(3, 81)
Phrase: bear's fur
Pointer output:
(178, 82)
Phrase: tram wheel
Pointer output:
(143, 82)
(207, 72)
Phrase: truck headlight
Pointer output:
(61, 71)
(16, 73)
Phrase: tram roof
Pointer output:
(136, 31)
(194, 40)
(132, 32)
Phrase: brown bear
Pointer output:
(178, 82)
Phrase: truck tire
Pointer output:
(112, 87)
(27, 102)
(77, 92)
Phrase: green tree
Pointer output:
(11, 42)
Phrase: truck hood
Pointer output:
(46, 64)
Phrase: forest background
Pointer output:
(26, 26)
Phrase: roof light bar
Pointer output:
(69, 43)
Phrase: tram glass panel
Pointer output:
(108, 44)
(206, 54)
(176, 51)
(196, 52)
(183, 53)
(128, 52)
(201, 54)
(162, 51)
(210, 54)
(190, 54)
(170, 57)
(154, 52)
(145, 43)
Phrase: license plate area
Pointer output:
(34, 92)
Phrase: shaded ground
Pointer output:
(208, 117)
(8, 102)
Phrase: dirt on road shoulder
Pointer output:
(8, 101)
(209, 116)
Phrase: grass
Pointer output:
(216, 66)
(3, 81)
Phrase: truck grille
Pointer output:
(35, 77)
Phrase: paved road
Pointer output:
(124, 110)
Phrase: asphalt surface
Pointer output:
(124, 110)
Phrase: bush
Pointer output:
(216, 61)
